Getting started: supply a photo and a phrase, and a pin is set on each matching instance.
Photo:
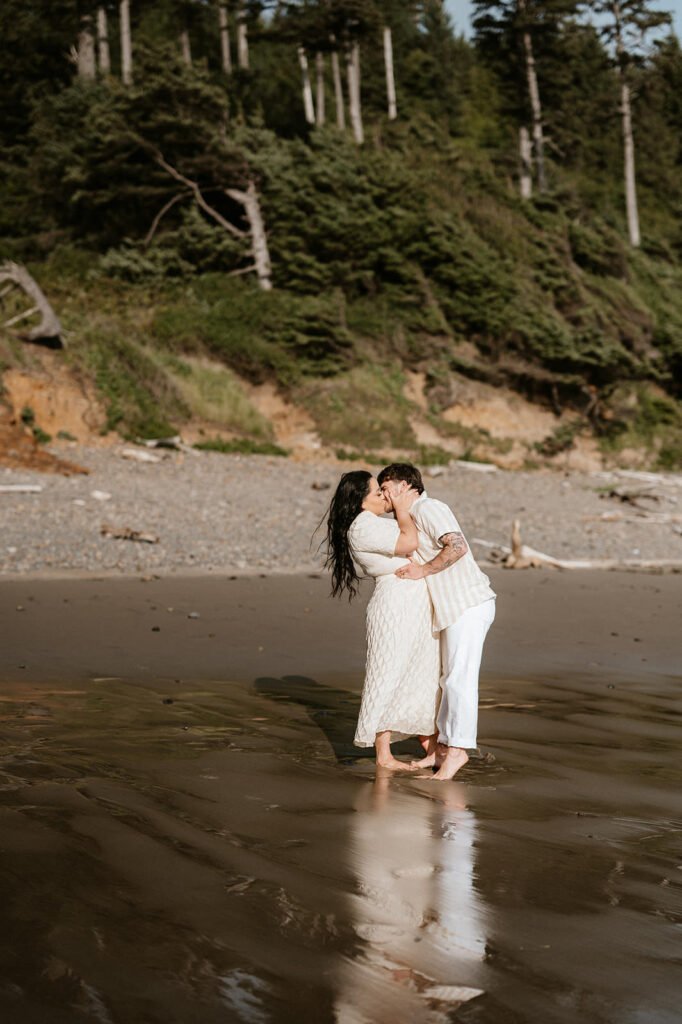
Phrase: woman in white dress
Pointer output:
(401, 692)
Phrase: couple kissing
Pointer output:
(427, 619)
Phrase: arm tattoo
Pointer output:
(454, 546)
(455, 541)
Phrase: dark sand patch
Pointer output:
(602, 624)
(212, 850)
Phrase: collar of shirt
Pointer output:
(422, 497)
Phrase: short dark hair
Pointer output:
(402, 471)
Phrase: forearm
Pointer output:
(454, 547)
(408, 540)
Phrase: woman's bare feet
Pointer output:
(454, 759)
(393, 765)
(385, 759)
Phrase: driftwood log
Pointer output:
(520, 556)
(12, 275)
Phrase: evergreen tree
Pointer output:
(515, 36)
(627, 22)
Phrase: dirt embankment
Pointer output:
(47, 399)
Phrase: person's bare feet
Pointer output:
(393, 765)
(425, 762)
(434, 756)
(428, 742)
(454, 759)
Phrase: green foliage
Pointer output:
(242, 446)
(139, 397)
(561, 439)
(260, 335)
(364, 407)
(384, 256)
(212, 392)
(196, 246)
(352, 456)
(41, 436)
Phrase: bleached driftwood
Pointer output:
(477, 467)
(523, 557)
(20, 488)
(644, 518)
(49, 326)
(139, 455)
(519, 556)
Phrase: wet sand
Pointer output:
(188, 835)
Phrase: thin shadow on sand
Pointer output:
(332, 710)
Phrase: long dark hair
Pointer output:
(346, 504)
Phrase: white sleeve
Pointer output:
(437, 519)
(374, 534)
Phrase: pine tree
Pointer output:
(512, 35)
(627, 22)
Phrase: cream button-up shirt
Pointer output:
(461, 585)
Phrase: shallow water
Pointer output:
(217, 852)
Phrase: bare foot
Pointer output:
(425, 762)
(428, 742)
(435, 755)
(455, 759)
(392, 764)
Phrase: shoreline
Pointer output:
(669, 568)
(579, 623)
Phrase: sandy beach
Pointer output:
(188, 834)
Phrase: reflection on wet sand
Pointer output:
(210, 853)
(415, 907)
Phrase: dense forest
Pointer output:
(327, 193)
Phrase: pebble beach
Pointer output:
(205, 512)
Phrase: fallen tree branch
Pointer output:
(162, 212)
(644, 518)
(49, 326)
(125, 533)
(196, 191)
(21, 316)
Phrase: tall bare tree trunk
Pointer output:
(103, 41)
(261, 254)
(338, 90)
(126, 43)
(224, 39)
(628, 141)
(526, 157)
(242, 40)
(307, 89)
(186, 47)
(85, 53)
(353, 76)
(629, 159)
(319, 89)
(390, 79)
(536, 109)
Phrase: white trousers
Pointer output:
(461, 647)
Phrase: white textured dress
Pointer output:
(401, 690)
